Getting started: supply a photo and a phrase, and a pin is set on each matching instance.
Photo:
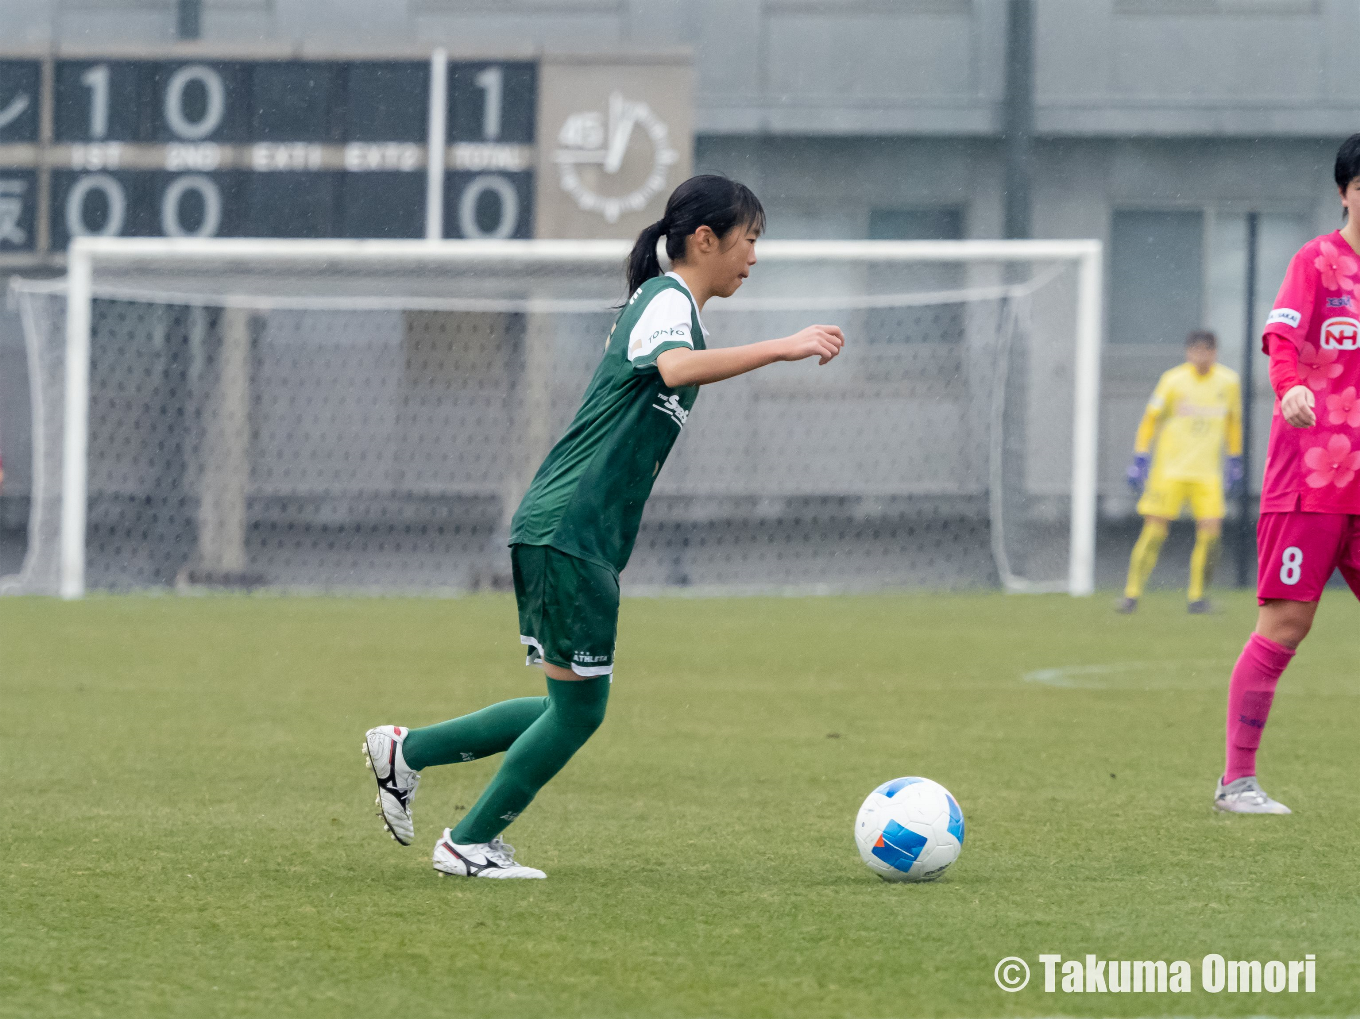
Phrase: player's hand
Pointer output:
(1137, 474)
(1232, 473)
(1297, 407)
(821, 342)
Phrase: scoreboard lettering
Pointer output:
(206, 146)
(262, 148)
(20, 82)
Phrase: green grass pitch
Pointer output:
(189, 830)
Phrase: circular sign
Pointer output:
(591, 138)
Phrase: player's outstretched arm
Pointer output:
(684, 367)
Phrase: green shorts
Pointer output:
(568, 609)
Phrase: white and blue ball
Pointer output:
(909, 829)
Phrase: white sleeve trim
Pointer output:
(666, 319)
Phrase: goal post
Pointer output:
(1013, 309)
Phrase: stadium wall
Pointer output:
(902, 140)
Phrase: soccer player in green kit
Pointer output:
(575, 528)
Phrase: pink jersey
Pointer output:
(1317, 469)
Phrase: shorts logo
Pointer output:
(1338, 302)
(670, 406)
(1283, 316)
(1341, 334)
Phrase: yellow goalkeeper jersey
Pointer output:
(1192, 417)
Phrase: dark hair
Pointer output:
(1347, 162)
(707, 200)
(1201, 338)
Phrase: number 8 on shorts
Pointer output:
(1298, 552)
(1291, 565)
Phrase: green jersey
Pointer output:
(587, 498)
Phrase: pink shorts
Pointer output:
(1298, 551)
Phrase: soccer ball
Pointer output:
(909, 829)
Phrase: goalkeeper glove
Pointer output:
(1232, 473)
(1137, 473)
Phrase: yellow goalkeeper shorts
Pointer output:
(1163, 498)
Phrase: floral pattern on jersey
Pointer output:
(1317, 367)
(1343, 408)
(1332, 464)
(1336, 268)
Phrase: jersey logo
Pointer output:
(1284, 316)
(1338, 302)
(646, 345)
(1341, 334)
(670, 406)
(1187, 409)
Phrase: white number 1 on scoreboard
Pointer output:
(491, 80)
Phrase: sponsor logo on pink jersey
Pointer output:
(1341, 334)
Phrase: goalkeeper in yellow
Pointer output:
(1195, 412)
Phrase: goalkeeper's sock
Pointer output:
(1202, 562)
(1250, 694)
(575, 710)
(490, 731)
(1144, 558)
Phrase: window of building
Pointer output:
(940, 223)
(1156, 276)
(1278, 236)
(942, 325)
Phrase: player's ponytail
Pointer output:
(706, 200)
(642, 261)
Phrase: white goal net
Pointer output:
(352, 416)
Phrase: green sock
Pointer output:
(480, 734)
(575, 710)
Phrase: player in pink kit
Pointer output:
(1310, 502)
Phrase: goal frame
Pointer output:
(85, 253)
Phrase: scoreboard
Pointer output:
(281, 147)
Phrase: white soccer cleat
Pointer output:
(480, 859)
(396, 782)
(1245, 796)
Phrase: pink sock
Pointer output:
(1249, 696)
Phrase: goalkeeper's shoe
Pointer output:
(480, 859)
(1245, 796)
(396, 782)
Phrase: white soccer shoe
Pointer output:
(1245, 796)
(481, 859)
(396, 782)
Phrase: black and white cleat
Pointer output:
(396, 782)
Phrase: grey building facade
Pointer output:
(1159, 125)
